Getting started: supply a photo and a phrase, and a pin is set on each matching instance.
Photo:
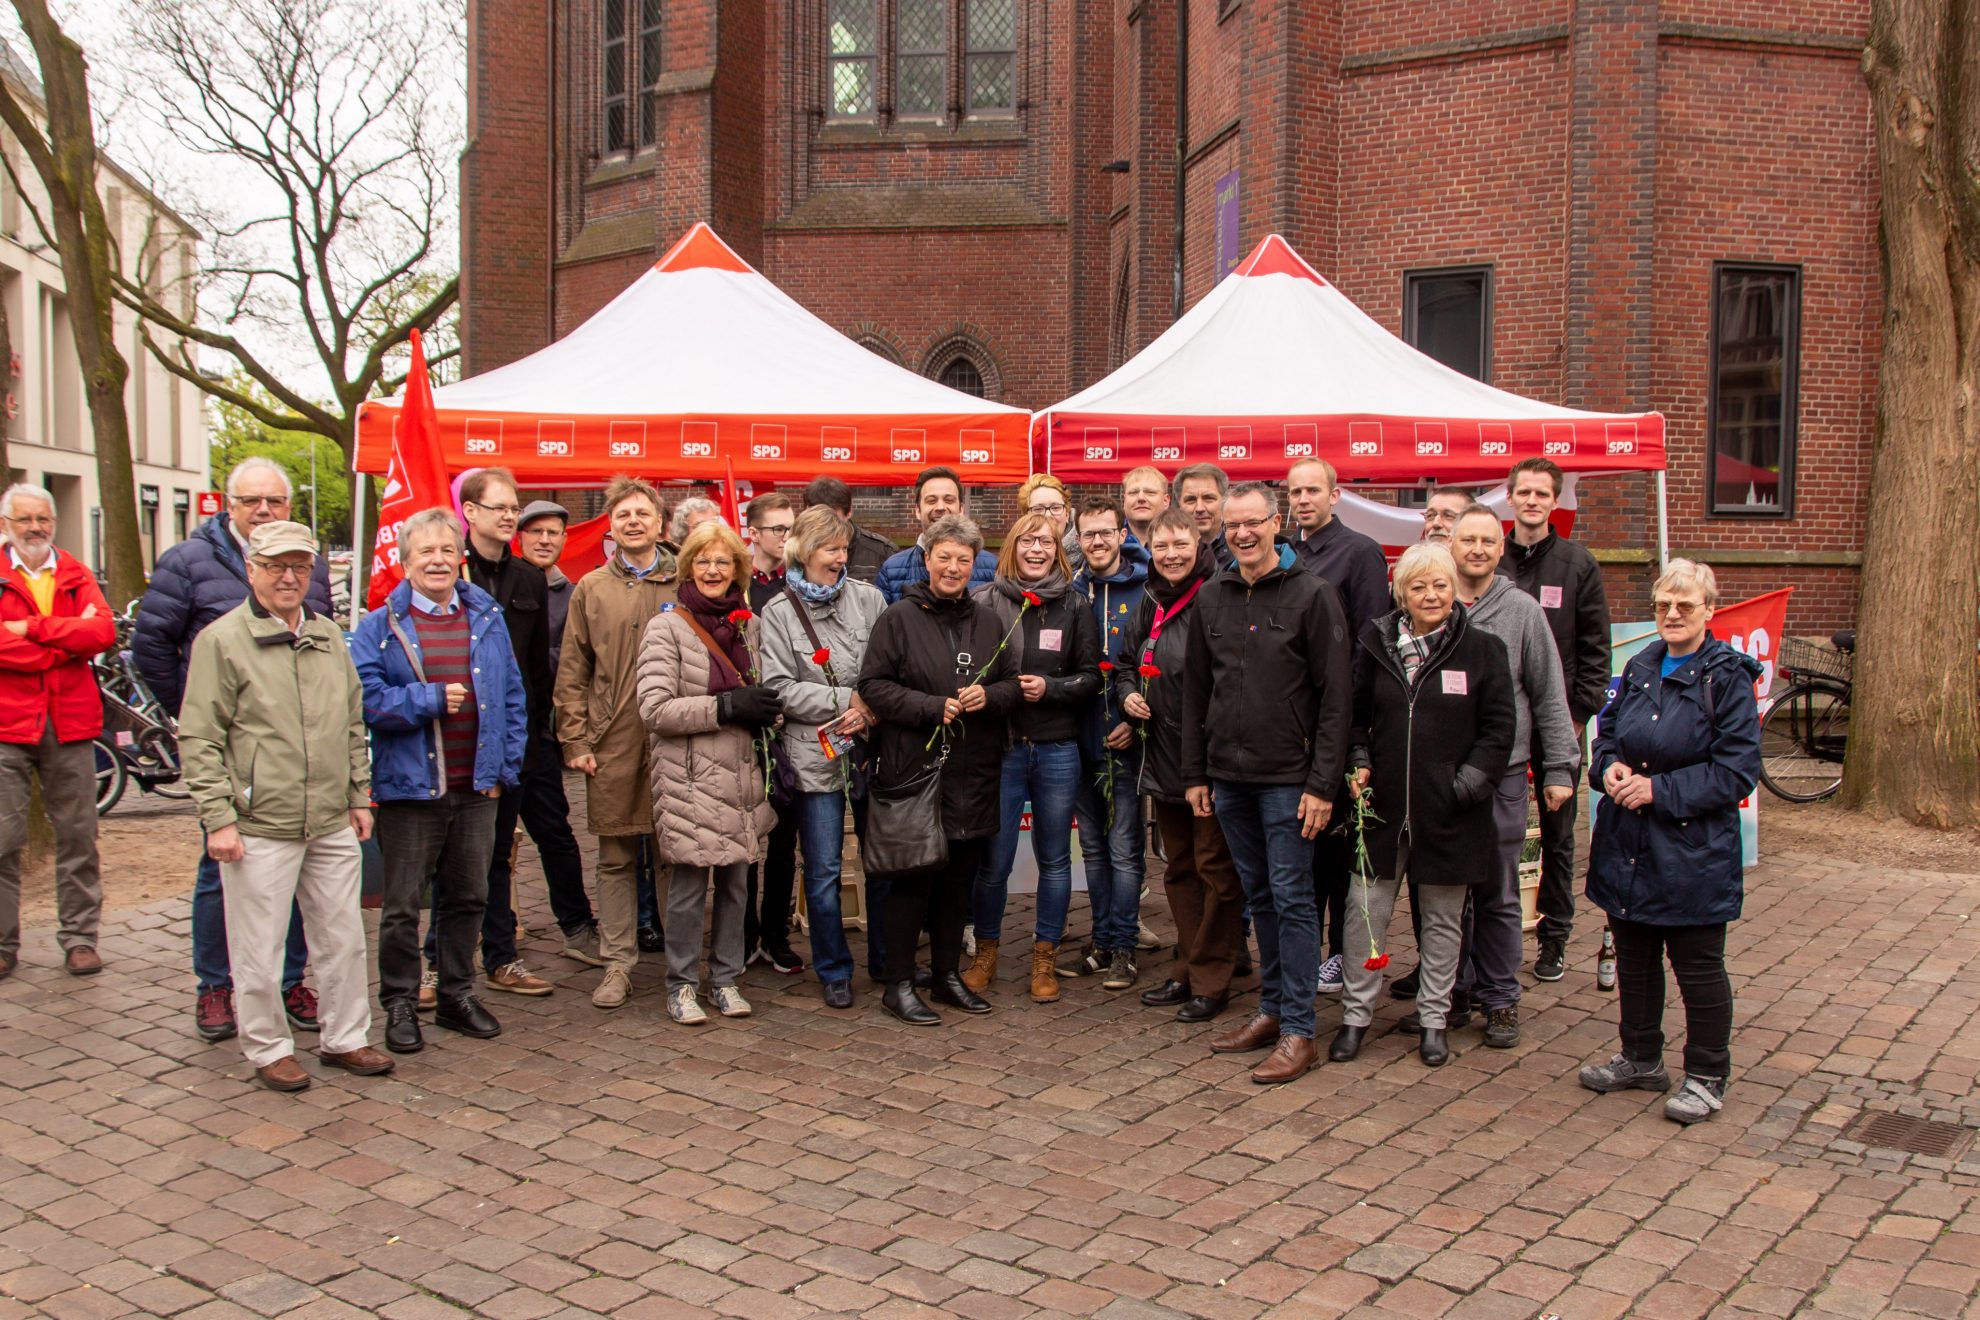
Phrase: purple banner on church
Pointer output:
(1230, 238)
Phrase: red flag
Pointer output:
(1755, 627)
(416, 478)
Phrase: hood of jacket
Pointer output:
(1131, 571)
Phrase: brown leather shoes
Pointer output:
(83, 961)
(285, 1074)
(363, 1061)
(1260, 1033)
(1292, 1060)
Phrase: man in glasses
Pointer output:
(195, 583)
(52, 620)
(1270, 671)
(276, 759)
(770, 887)
(1440, 514)
(491, 507)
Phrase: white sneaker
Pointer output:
(1145, 939)
(728, 1001)
(429, 990)
(683, 1008)
(1330, 976)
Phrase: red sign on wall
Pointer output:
(209, 503)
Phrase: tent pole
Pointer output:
(360, 497)
(1663, 524)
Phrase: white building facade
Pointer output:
(45, 412)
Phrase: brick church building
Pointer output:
(1610, 204)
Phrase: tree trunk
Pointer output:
(67, 166)
(6, 386)
(1914, 747)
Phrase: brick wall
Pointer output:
(1600, 155)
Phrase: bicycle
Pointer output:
(1804, 734)
(140, 739)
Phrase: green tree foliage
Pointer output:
(239, 434)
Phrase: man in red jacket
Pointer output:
(52, 620)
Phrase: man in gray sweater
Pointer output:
(1543, 734)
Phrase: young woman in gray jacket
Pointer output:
(813, 639)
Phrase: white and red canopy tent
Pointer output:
(1276, 364)
(701, 370)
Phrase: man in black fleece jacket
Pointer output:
(1567, 582)
(1274, 681)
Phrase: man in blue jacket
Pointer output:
(1112, 845)
(449, 721)
(938, 494)
(194, 583)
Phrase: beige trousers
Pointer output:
(618, 899)
(322, 876)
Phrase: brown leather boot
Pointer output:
(1044, 973)
(982, 969)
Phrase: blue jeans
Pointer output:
(644, 886)
(1113, 858)
(1261, 825)
(1048, 775)
(821, 825)
(211, 967)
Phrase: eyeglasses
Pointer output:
(499, 510)
(34, 520)
(1248, 524)
(774, 529)
(1682, 608)
(261, 501)
(1440, 515)
(1036, 543)
(1052, 506)
(704, 562)
(1106, 534)
(284, 572)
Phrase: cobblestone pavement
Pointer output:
(1089, 1158)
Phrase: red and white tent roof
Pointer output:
(702, 363)
(1276, 364)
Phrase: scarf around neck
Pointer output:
(713, 616)
(810, 591)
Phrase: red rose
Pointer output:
(1033, 598)
(1151, 671)
(1106, 666)
(822, 656)
(1377, 963)
(740, 617)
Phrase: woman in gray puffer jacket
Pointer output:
(703, 707)
(813, 640)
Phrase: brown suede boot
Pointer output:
(1044, 973)
(982, 969)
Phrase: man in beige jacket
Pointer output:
(273, 739)
(598, 719)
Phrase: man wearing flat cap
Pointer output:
(271, 731)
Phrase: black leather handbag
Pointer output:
(904, 825)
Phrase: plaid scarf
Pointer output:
(1414, 651)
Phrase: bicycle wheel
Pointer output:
(159, 750)
(1803, 738)
(110, 776)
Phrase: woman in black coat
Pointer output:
(1200, 878)
(1056, 639)
(943, 696)
(1677, 748)
(1434, 720)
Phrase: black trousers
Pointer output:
(1333, 860)
(773, 881)
(1698, 959)
(937, 900)
(1557, 870)
(446, 844)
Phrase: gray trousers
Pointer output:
(1370, 904)
(1494, 945)
(67, 772)
(687, 893)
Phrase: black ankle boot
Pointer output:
(1435, 1053)
(901, 1000)
(1347, 1044)
(949, 989)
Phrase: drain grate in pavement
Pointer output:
(1915, 1136)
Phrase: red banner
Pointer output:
(415, 479)
(1755, 627)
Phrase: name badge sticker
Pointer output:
(1051, 639)
(1550, 598)
(1454, 684)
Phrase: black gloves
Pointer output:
(1471, 785)
(755, 706)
